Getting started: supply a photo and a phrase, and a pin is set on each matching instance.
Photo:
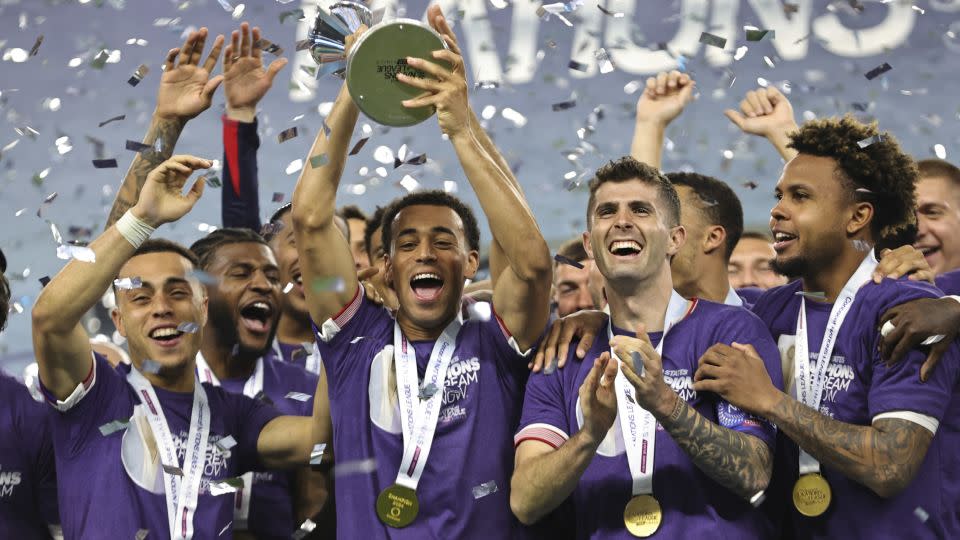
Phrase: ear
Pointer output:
(714, 238)
(473, 264)
(587, 246)
(388, 271)
(678, 235)
(860, 218)
(118, 321)
(204, 308)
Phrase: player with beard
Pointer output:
(459, 386)
(237, 354)
(865, 432)
(28, 481)
(695, 476)
(146, 450)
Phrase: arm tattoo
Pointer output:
(742, 463)
(167, 132)
(884, 457)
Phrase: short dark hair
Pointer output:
(941, 168)
(162, 245)
(721, 206)
(351, 211)
(573, 249)
(628, 168)
(433, 197)
(275, 224)
(4, 301)
(373, 223)
(756, 235)
(206, 247)
(880, 172)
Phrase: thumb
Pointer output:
(734, 117)
(642, 333)
(275, 68)
(196, 190)
(747, 348)
(211, 86)
(686, 93)
(367, 273)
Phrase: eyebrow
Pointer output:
(170, 281)
(437, 229)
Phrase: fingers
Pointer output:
(661, 87)
(171, 56)
(426, 100)
(751, 105)
(609, 367)
(585, 343)
(367, 273)
(936, 352)
(746, 348)
(275, 68)
(593, 378)
(197, 51)
(734, 117)
(257, 51)
(186, 50)
(192, 162)
(235, 42)
(441, 73)
(228, 58)
(642, 334)
(211, 87)
(452, 58)
(764, 101)
(707, 385)
(547, 350)
(429, 85)
(196, 190)
(707, 371)
(214, 55)
(245, 42)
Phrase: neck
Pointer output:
(415, 332)
(173, 379)
(294, 329)
(640, 301)
(711, 283)
(227, 359)
(831, 278)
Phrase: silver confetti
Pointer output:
(172, 469)
(484, 489)
(225, 529)
(812, 295)
(316, 455)
(921, 514)
(287, 134)
(150, 366)
(142, 534)
(226, 443)
(758, 498)
(80, 253)
(288, 287)
(188, 327)
(361, 466)
(427, 391)
(870, 140)
(637, 359)
(713, 40)
(305, 528)
(480, 311)
(228, 485)
(112, 427)
(356, 340)
(298, 396)
(603, 60)
(138, 75)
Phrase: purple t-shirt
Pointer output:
(28, 481)
(693, 504)
(749, 295)
(272, 500)
(482, 398)
(949, 282)
(859, 387)
(108, 491)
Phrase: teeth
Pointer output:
(426, 276)
(164, 332)
(782, 237)
(261, 305)
(624, 244)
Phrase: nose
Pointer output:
(922, 229)
(623, 220)
(777, 213)
(161, 307)
(749, 278)
(584, 300)
(259, 282)
(425, 252)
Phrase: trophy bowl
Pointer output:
(373, 64)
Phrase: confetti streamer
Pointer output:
(358, 146)
(277, 197)
(577, 66)
(568, 261)
(713, 40)
(138, 146)
(36, 46)
(480, 311)
(105, 163)
(750, 185)
(316, 455)
(213, 181)
(637, 359)
(44, 280)
(269, 47)
(305, 528)
(356, 340)
(484, 489)
(607, 12)
(138, 75)
(427, 391)
(921, 514)
(758, 498)
(112, 427)
(287, 134)
(754, 34)
(870, 140)
(228, 485)
(80, 253)
(603, 60)
(128, 283)
(812, 295)
(226, 443)
(319, 160)
(298, 396)
(564, 105)
(172, 469)
(878, 71)
(114, 119)
(410, 183)
(100, 59)
(142, 534)
(188, 327)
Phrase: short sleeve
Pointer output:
(47, 474)
(511, 362)
(250, 417)
(898, 387)
(358, 330)
(741, 326)
(544, 416)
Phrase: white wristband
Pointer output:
(134, 229)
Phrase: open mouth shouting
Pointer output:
(929, 251)
(625, 248)
(782, 240)
(166, 336)
(426, 286)
(257, 316)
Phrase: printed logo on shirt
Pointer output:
(839, 375)
(681, 382)
(8, 481)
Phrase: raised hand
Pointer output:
(245, 79)
(447, 89)
(162, 199)
(186, 89)
(598, 397)
(664, 98)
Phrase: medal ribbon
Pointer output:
(809, 380)
(181, 506)
(252, 387)
(637, 425)
(418, 418)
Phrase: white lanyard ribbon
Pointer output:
(809, 380)
(252, 387)
(418, 417)
(638, 426)
(733, 299)
(181, 492)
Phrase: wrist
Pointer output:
(666, 407)
(242, 114)
(769, 402)
(136, 227)
(651, 123)
(588, 439)
(779, 137)
(179, 120)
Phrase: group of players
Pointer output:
(326, 359)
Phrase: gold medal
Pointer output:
(397, 506)
(642, 516)
(811, 495)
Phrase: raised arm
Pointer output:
(245, 82)
(544, 476)
(521, 294)
(59, 341)
(768, 113)
(884, 456)
(325, 255)
(186, 90)
(663, 99)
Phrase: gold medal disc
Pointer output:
(397, 506)
(642, 516)
(811, 495)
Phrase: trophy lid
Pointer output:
(374, 62)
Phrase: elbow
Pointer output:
(44, 318)
(538, 266)
(887, 488)
(521, 510)
(308, 217)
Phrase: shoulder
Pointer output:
(949, 282)
(888, 293)
(16, 398)
(290, 372)
(774, 300)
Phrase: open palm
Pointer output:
(186, 89)
(245, 79)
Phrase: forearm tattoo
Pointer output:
(163, 130)
(742, 463)
(884, 457)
